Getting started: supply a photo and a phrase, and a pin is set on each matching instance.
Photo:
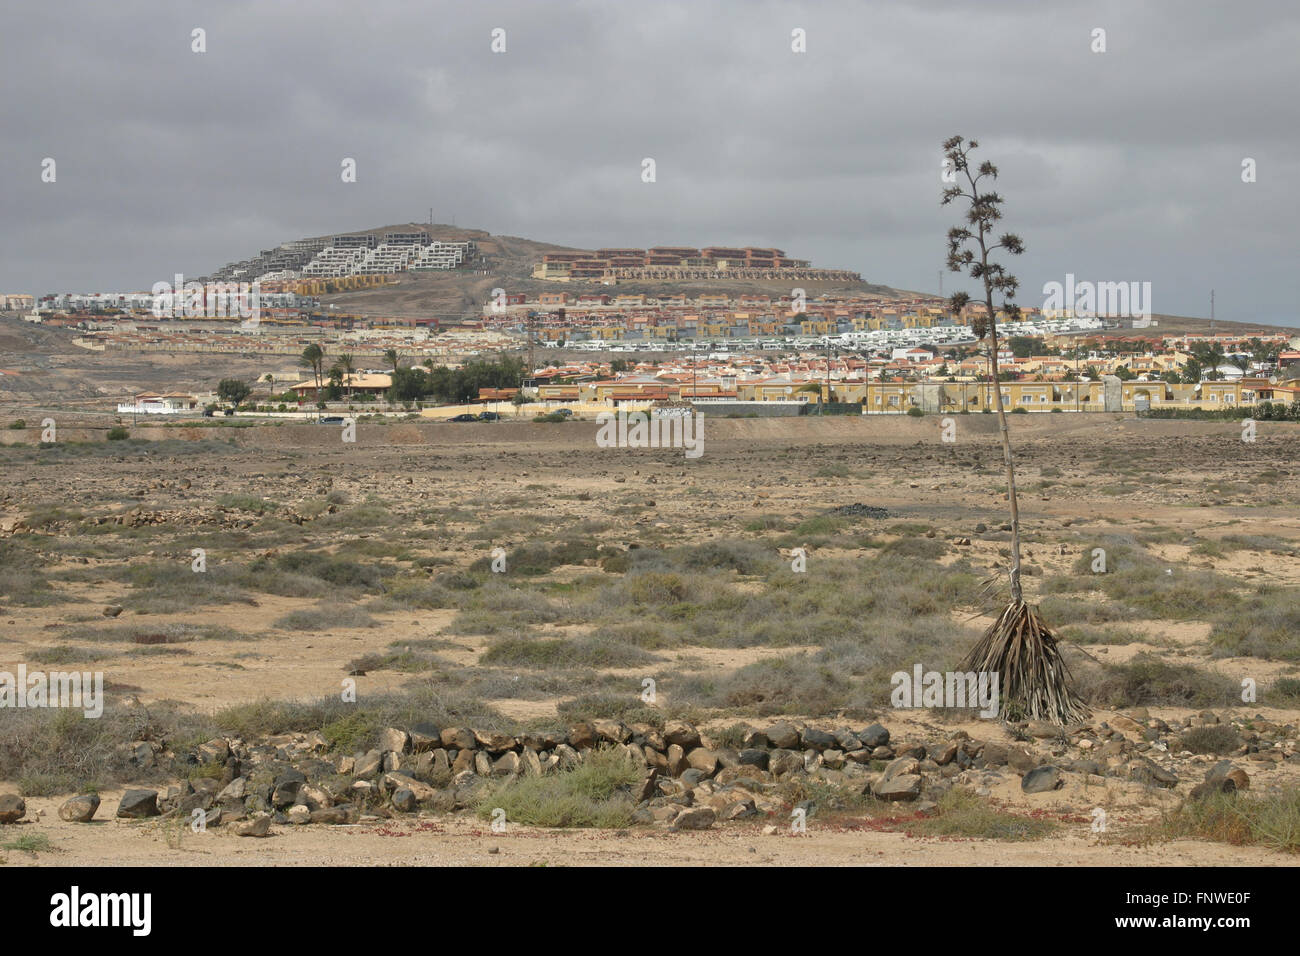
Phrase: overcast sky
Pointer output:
(1116, 166)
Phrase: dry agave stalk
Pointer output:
(1034, 680)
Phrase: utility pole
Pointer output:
(1211, 311)
(828, 368)
(532, 318)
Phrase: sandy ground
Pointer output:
(456, 841)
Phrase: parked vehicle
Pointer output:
(330, 420)
(467, 417)
(488, 416)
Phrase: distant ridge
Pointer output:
(498, 261)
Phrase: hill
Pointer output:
(507, 262)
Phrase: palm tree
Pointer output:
(392, 358)
(313, 357)
(1034, 679)
(348, 366)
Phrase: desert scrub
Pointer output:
(595, 793)
(497, 608)
(237, 502)
(63, 654)
(963, 814)
(424, 703)
(1267, 625)
(1212, 739)
(1147, 680)
(617, 706)
(406, 656)
(796, 684)
(1084, 634)
(25, 586)
(1267, 820)
(173, 588)
(324, 617)
(61, 750)
(332, 569)
(560, 652)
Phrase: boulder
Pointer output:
(847, 740)
(695, 818)
(458, 738)
(136, 804)
(259, 826)
(337, 814)
(12, 808)
(1146, 771)
(676, 760)
(1021, 760)
(817, 739)
(425, 737)
(79, 809)
(874, 736)
(583, 736)
(783, 736)
(906, 786)
(682, 734)
(494, 742)
(1042, 779)
(529, 763)
(215, 750)
(368, 764)
(612, 731)
(649, 785)
(901, 765)
(703, 760)
(507, 765)
(782, 762)
(1211, 787)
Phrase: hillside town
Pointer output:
(1105, 372)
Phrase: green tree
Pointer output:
(313, 357)
(348, 366)
(392, 357)
(233, 390)
(1023, 346)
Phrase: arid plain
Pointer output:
(327, 565)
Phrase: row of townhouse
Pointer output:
(1110, 394)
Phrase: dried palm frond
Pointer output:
(1033, 679)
